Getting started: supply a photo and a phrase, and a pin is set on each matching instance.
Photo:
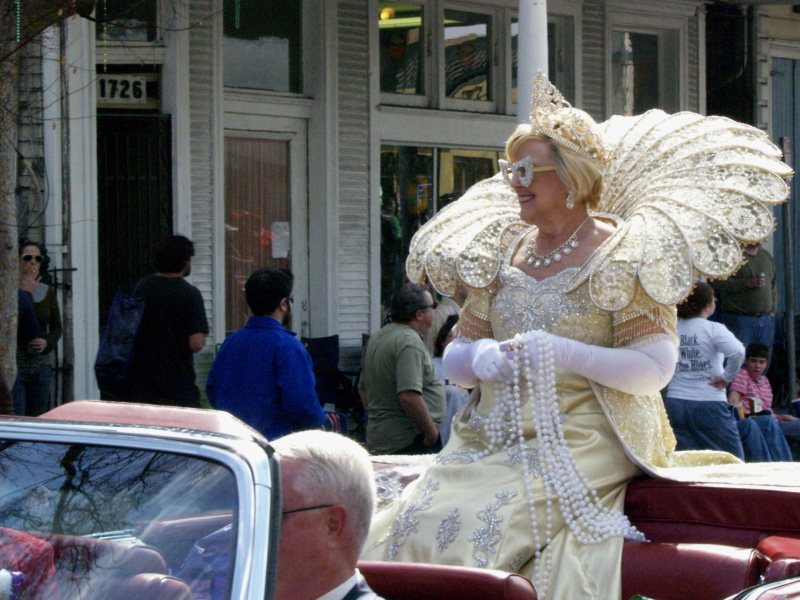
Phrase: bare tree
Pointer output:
(20, 23)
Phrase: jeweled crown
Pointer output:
(553, 116)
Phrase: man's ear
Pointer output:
(336, 522)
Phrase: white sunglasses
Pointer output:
(523, 169)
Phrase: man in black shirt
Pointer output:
(173, 328)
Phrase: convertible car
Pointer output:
(106, 501)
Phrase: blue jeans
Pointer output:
(751, 329)
(704, 425)
(31, 392)
(791, 431)
(771, 447)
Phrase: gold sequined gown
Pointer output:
(474, 511)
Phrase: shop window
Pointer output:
(401, 42)
(467, 55)
(126, 21)
(262, 45)
(560, 58)
(644, 71)
(416, 182)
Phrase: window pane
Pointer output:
(461, 169)
(401, 47)
(123, 20)
(80, 517)
(514, 58)
(560, 56)
(467, 55)
(408, 198)
(644, 72)
(257, 213)
(263, 45)
(406, 203)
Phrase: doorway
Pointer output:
(265, 217)
(786, 133)
(786, 248)
(134, 167)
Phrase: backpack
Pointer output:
(117, 343)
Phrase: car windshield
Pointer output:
(89, 522)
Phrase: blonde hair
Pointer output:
(582, 176)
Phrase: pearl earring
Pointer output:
(570, 201)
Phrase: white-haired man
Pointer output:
(328, 499)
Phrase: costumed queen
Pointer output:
(574, 256)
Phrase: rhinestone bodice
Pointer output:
(524, 303)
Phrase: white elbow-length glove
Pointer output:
(639, 371)
(467, 363)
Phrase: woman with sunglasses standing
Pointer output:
(35, 362)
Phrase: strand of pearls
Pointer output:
(589, 520)
(534, 390)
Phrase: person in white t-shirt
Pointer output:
(695, 400)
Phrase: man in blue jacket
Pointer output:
(262, 373)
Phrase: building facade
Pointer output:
(304, 134)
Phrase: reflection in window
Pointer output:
(85, 521)
(417, 182)
(89, 490)
(406, 203)
(257, 217)
(560, 58)
(262, 45)
(467, 55)
(461, 169)
(126, 21)
(401, 47)
(644, 72)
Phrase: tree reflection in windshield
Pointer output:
(99, 514)
(84, 490)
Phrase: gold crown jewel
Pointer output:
(553, 116)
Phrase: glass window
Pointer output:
(93, 521)
(401, 42)
(644, 72)
(406, 203)
(257, 217)
(126, 21)
(467, 55)
(262, 45)
(560, 55)
(415, 183)
(458, 170)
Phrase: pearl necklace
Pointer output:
(536, 260)
(564, 481)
